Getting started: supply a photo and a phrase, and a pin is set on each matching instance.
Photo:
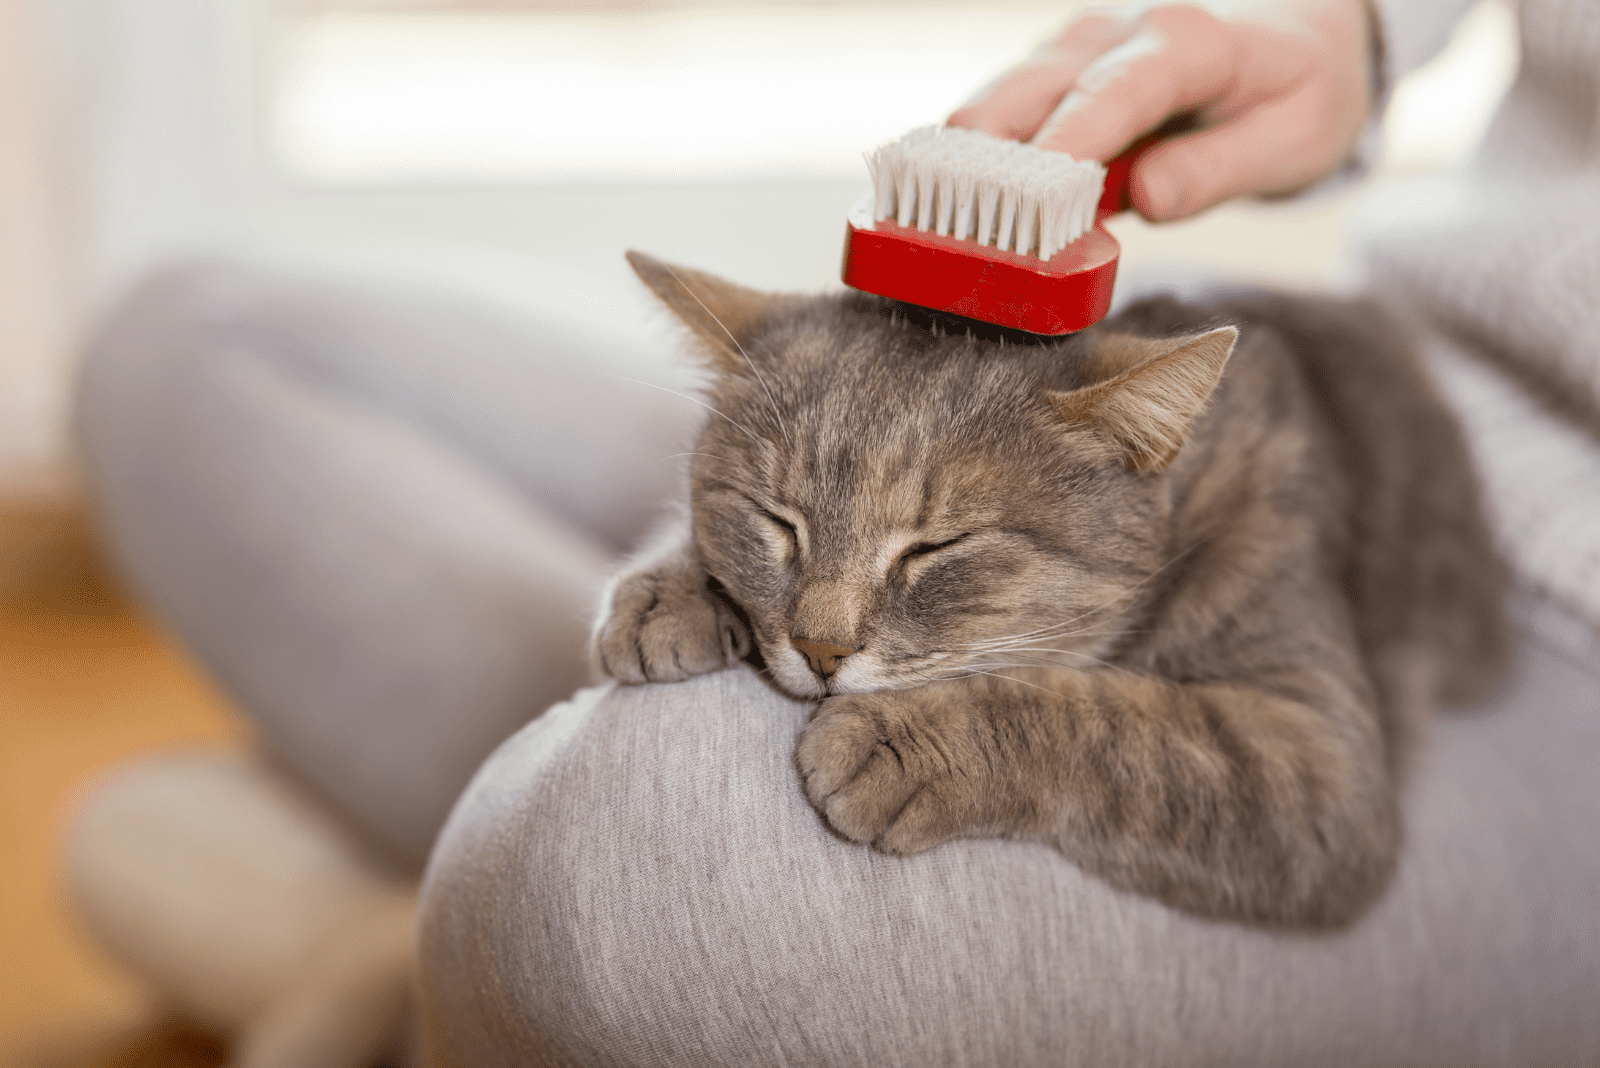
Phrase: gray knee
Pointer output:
(136, 367)
(636, 879)
(489, 965)
(563, 897)
(385, 608)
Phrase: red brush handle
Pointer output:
(1114, 195)
(1069, 292)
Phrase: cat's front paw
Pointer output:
(665, 625)
(903, 770)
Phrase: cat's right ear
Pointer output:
(721, 315)
(1147, 408)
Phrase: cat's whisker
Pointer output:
(1049, 635)
(1021, 682)
(1033, 650)
(1052, 633)
(946, 678)
(1098, 630)
(693, 400)
(1044, 660)
(676, 455)
(759, 376)
(1053, 630)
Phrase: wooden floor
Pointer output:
(86, 682)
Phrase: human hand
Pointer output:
(1279, 91)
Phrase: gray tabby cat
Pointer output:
(1175, 598)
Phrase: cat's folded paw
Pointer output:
(666, 625)
(900, 769)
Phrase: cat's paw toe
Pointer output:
(865, 807)
(929, 818)
(833, 748)
(865, 777)
(665, 629)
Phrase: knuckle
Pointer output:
(1178, 19)
(1090, 22)
(1088, 28)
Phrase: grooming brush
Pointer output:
(992, 230)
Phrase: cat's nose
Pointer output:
(824, 658)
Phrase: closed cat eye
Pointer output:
(773, 517)
(782, 522)
(924, 548)
(788, 527)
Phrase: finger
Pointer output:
(1179, 59)
(1276, 147)
(1017, 103)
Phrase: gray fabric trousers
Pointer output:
(380, 519)
(381, 522)
(636, 879)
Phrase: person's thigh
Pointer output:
(381, 523)
(636, 879)
(588, 427)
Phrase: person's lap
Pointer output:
(348, 507)
(635, 878)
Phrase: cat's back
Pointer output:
(1385, 467)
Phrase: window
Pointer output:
(373, 93)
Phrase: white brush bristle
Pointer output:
(976, 187)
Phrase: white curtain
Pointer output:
(34, 267)
(157, 108)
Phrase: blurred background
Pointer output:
(506, 150)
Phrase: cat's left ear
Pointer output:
(722, 316)
(1148, 408)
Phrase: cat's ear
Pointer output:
(1147, 408)
(722, 316)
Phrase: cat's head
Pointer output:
(893, 506)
